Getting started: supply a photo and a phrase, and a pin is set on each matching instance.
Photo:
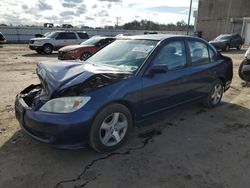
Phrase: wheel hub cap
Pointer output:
(217, 94)
(113, 129)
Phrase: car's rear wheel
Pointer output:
(85, 56)
(47, 49)
(110, 128)
(214, 96)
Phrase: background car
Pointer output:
(98, 102)
(244, 69)
(56, 40)
(2, 39)
(85, 49)
(227, 41)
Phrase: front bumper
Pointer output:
(66, 131)
(3, 41)
(63, 55)
(33, 47)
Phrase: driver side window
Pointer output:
(173, 55)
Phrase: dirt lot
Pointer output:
(193, 147)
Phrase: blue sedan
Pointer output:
(96, 103)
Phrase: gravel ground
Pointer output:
(192, 147)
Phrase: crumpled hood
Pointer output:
(74, 47)
(55, 76)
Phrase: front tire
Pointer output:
(214, 96)
(85, 56)
(110, 128)
(47, 49)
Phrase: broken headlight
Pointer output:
(65, 104)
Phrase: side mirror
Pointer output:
(157, 69)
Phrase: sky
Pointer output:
(93, 13)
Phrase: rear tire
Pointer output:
(110, 128)
(215, 94)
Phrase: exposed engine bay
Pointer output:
(35, 95)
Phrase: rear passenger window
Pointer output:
(199, 53)
(71, 36)
(173, 55)
(83, 35)
(66, 36)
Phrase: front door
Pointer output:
(166, 90)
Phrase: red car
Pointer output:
(85, 49)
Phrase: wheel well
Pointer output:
(129, 107)
(124, 103)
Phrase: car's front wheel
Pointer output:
(110, 128)
(85, 56)
(47, 49)
(214, 96)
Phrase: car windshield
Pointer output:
(223, 37)
(91, 41)
(123, 55)
(52, 35)
(46, 34)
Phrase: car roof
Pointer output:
(158, 37)
(68, 31)
(103, 37)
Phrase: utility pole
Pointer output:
(189, 15)
(117, 21)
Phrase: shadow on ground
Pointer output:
(234, 51)
(40, 55)
(191, 147)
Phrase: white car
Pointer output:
(55, 40)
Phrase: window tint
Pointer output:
(67, 36)
(83, 35)
(103, 42)
(199, 53)
(173, 55)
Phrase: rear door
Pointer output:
(65, 38)
(166, 90)
(82, 36)
(202, 68)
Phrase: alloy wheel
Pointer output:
(85, 56)
(113, 129)
(217, 94)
